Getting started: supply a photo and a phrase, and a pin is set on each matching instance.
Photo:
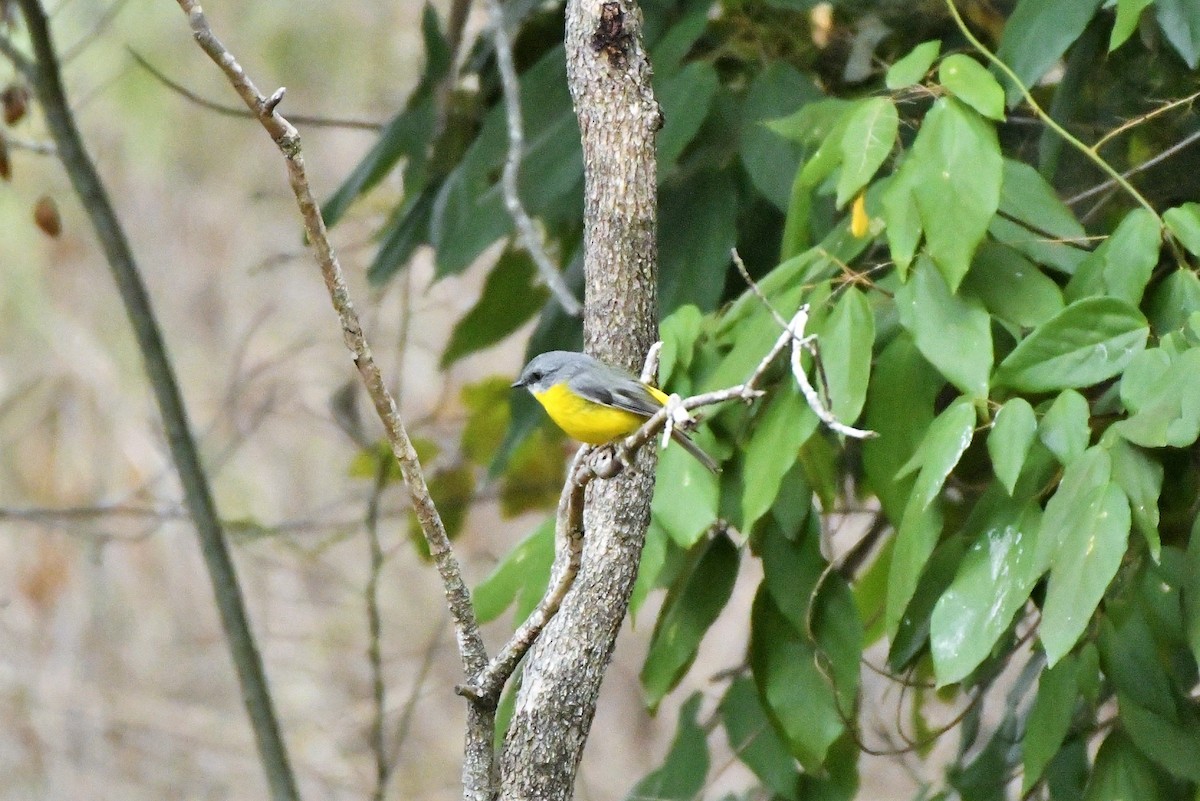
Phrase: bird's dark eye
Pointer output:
(535, 376)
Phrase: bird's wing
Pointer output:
(610, 387)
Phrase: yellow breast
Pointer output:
(584, 420)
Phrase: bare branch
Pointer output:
(41, 148)
(19, 60)
(1187, 141)
(479, 757)
(530, 237)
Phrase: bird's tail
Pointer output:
(695, 450)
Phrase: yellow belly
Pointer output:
(586, 421)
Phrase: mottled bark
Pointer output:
(609, 75)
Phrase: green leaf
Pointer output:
(815, 123)
(1140, 478)
(685, 504)
(1120, 267)
(697, 233)
(912, 68)
(944, 444)
(1173, 745)
(685, 769)
(755, 741)
(509, 298)
(1064, 430)
(901, 218)
(1085, 563)
(534, 478)
(846, 346)
(690, 609)
(1180, 23)
(1012, 288)
(900, 418)
(1128, 14)
(1173, 301)
(402, 234)
(1190, 594)
(970, 82)
(953, 332)
(782, 428)
(792, 688)
(916, 537)
(1122, 772)
(686, 97)
(521, 576)
(1013, 431)
(868, 139)
(991, 585)
(1027, 198)
(1081, 479)
(1038, 33)
(1184, 224)
(650, 567)
(1087, 342)
(831, 119)
(1170, 413)
(958, 184)
(1049, 718)
(771, 161)
(678, 331)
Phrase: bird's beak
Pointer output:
(517, 384)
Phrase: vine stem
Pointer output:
(1049, 121)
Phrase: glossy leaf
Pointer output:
(958, 185)
(991, 585)
(689, 610)
(1173, 745)
(696, 233)
(944, 444)
(912, 68)
(1038, 33)
(916, 537)
(1027, 198)
(866, 142)
(1082, 478)
(1013, 431)
(1064, 429)
(901, 218)
(971, 83)
(846, 346)
(1121, 266)
(1087, 342)
(785, 424)
(1086, 561)
(683, 773)
(953, 332)
(1011, 287)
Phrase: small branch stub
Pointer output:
(610, 36)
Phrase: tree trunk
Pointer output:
(609, 76)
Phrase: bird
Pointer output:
(596, 403)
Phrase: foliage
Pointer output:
(1031, 366)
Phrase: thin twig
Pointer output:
(93, 36)
(1163, 109)
(15, 143)
(19, 60)
(375, 631)
(1046, 118)
(404, 724)
(233, 111)
(530, 238)
(479, 756)
(47, 81)
(1187, 141)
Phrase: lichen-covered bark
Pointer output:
(609, 76)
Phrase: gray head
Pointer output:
(553, 367)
